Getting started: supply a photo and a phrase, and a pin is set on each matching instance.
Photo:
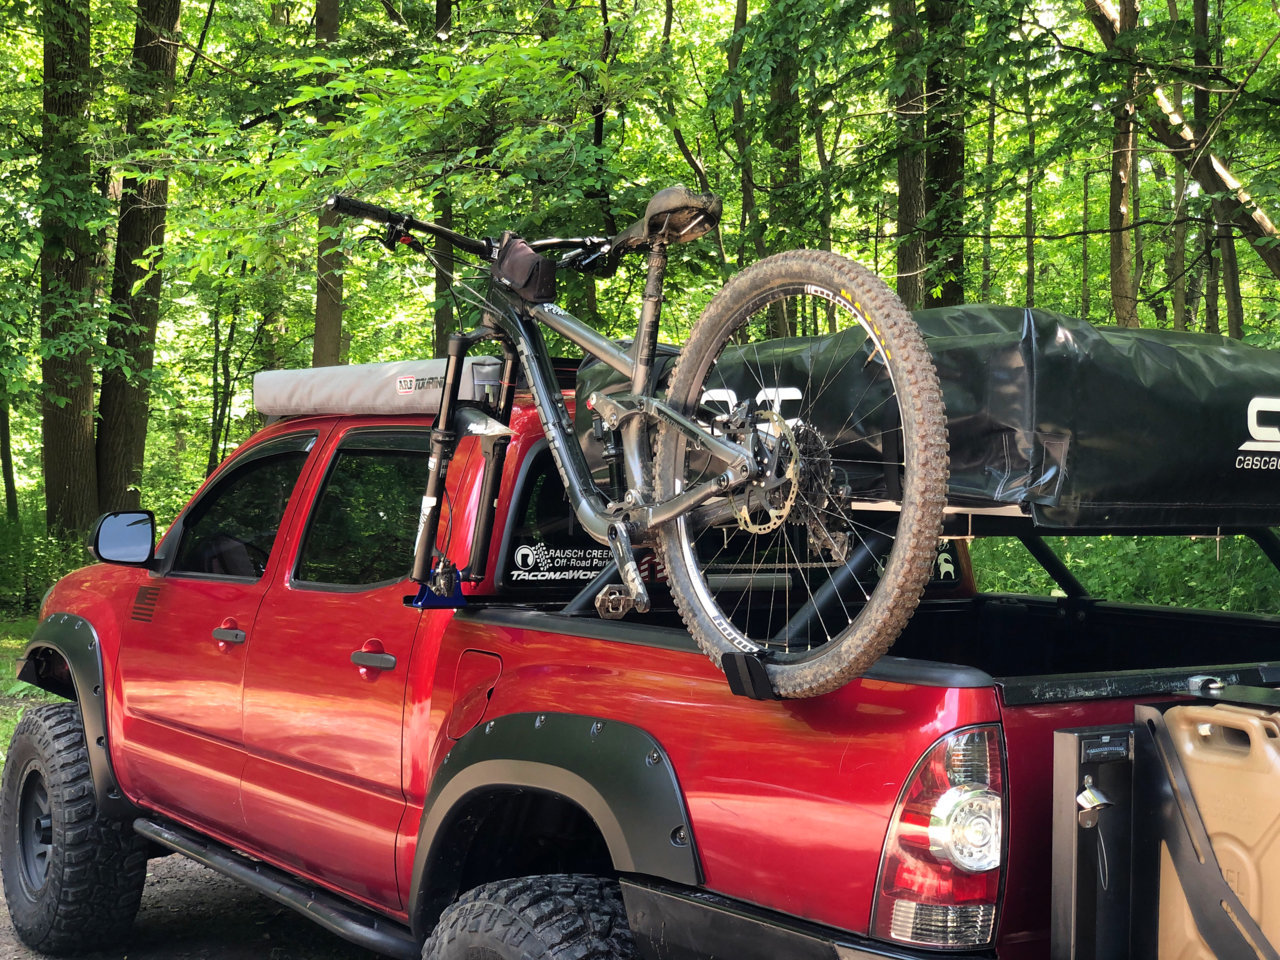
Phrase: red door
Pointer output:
(325, 681)
(185, 640)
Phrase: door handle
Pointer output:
(372, 659)
(376, 661)
(229, 632)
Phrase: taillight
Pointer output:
(940, 872)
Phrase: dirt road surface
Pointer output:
(191, 913)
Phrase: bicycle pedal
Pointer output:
(628, 569)
(614, 602)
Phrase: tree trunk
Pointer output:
(988, 195)
(326, 349)
(1124, 301)
(1178, 255)
(751, 227)
(444, 277)
(443, 212)
(911, 163)
(944, 156)
(122, 403)
(1211, 321)
(1170, 128)
(1229, 272)
(1029, 196)
(65, 277)
(6, 460)
(1084, 249)
(1124, 298)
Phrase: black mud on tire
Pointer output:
(73, 882)
(816, 534)
(559, 917)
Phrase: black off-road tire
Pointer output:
(72, 880)
(557, 917)
(818, 528)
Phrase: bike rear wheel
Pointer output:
(817, 565)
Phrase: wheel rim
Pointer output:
(35, 832)
(785, 567)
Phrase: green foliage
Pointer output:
(31, 562)
(1230, 573)
(565, 119)
(15, 696)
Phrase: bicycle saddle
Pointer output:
(674, 215)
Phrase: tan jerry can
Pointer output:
(1231, 756)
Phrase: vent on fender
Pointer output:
(144, 604)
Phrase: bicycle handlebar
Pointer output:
(587, 249)
(351, 207)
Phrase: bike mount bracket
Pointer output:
(747, 675)
(614, 410)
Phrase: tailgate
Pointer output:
(1166, 831)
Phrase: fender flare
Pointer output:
(615, 772)
(75, 641)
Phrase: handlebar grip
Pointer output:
(351, 207)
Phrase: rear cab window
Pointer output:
(547, 556)
(364, 521)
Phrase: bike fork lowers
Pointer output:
(439, 584)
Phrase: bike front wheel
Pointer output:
(813, 364)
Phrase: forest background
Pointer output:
(163, 167)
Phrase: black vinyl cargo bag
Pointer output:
(525, 273)
(1077, 426)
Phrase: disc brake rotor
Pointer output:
(767, 507)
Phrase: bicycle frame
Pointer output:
(621, 525)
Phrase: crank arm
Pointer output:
(741, 462)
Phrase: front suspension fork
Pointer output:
(438, 577)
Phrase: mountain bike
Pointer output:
(792, 485)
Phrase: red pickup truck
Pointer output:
(517, 778)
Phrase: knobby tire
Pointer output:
(844, 529)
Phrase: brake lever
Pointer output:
(396, 236)
(584, 259)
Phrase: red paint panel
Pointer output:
(1028, 731)
(806, 785)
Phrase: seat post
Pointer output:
(646, 344)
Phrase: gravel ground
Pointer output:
(191, 913)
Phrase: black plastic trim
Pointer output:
(527, 462)
(1060, 688)
(674, 924)
(616, 773)
(348, 920)
(924, 673)
(74, 639)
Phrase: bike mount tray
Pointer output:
(1165, 831)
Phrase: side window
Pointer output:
(365, 521)
(549, 554)
(231, 530)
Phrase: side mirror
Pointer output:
(127, 538)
